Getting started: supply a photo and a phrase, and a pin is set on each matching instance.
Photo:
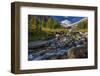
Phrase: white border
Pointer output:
(25, 64)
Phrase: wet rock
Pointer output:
(63, 46)
(78, 52)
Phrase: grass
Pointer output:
(83, 30)
(54, 30)
(46, 33)
(37, 35)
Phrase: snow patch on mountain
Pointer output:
(65, 23)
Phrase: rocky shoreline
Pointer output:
(62, 46)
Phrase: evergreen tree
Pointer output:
(39, 25)
(83, 25)
(32, 23)
(49, 23)
(43, 23)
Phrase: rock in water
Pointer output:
(78, 52)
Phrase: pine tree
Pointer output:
(43, 23)
(49, 23)
(56, 25)
(38, 25)
(34, 23)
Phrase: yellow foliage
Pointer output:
(54, 30)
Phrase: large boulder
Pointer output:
(78, 52)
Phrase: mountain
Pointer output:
(60, 19)
(65, 23)
(70, 22)
(72, 19)
(80, 21)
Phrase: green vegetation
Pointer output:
(40, 29)
(83, 26)
(44, 27)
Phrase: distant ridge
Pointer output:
(79, 21)
(67, 23)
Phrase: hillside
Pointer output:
(44, 27)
